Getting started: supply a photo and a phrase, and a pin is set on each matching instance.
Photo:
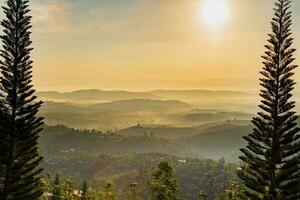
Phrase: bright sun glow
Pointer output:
(215, 12)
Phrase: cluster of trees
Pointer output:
(271, 159)
(194, 175)
(161, 184)
(57, 189)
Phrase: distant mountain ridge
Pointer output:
(113, 95)
(142, 105)
(95, 94)
(120, 105)
(199, 93)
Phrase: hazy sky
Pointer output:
(150, 44)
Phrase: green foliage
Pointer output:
(235, 191)
(144, 185)
(19, 151)
(133, 192)
(68, 187)
(84, 191)
(68, 144)
(203, 196)
(60, 139)
(56, 194)
(193, 175)
(271, 158)
(109, 193)
(164, 183)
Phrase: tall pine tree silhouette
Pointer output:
(271, 158)
(19, 155)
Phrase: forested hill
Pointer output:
(193, 174)
(111, 157)
(218, 141)
(214, 142)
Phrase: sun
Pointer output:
(215, 12)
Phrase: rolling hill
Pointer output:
(94, 95)
(122, 170)
(115, 95)
(60, 139)
(145, 105)
(214, 142)
(219, 141)
(112, 115)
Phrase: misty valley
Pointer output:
(110, 136)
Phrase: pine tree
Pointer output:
(19, 155)
(164, 184)
(84, 190)
(271, 158)
(56, 194)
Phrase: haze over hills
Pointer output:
(186, 94)
(219, 141)
(101, 95)
(214, 142)
(94, 95)
(244, 101)
(112, 115)
(128, 113)
(145, 105)
(132, 105)
(108, 135)
(174, 122)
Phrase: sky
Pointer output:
(151, 44)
